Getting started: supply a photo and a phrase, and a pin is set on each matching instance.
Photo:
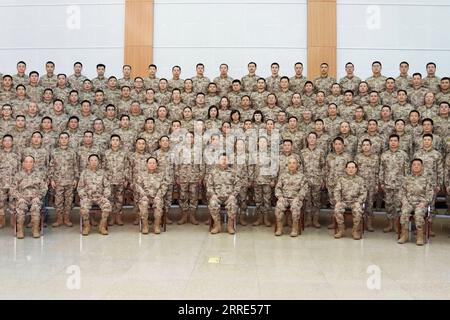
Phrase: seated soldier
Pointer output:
(290, 191)
(350, 192)
(151, 188)
(94, 187)
(222, 187)
(416, 195)
(28, 189)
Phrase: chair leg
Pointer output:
(335, 224)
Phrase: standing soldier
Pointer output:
(28, 189)
(393, 169)
(151, 187)
(324, 82)
(249, 80)
(64, 175)
(433, 169)
(164, 155)
(189, 172)
(116, 165)
(291, 190)
(368, 168)
(223, 186)
(245, 171)
(335, 168)
(9, 167)
(93, 188)
(313, 159)
(297, 82)
(350, 192)
(416, 195)
(200, 82)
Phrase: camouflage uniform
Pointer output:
(175, 110)
(99, 83)
(284, 98)
(9, 168)
(393, 168)
(313, 161)
(35, 92)
(401, 111)
(376, 83)
(416, 96)
(273, 84)
(432, 83)
(48, 82)
(403, 82)
(249, 82)
(264, 175)
(324, 84)
(308, 99)
(389, 98)
(175, 83)
(117, 167)
(200, 84)
(128, 137)
(76, 82)
(166, 164)
(378, 143)
(373, 111)
(368, 169)
(259, 99)
(335, 168)
(223, 84)
(296, 84)
(188, 98)
(350, 83)
(151, 83)
(347, 111)
(94, 188)
(63, 170)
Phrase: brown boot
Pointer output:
(119, 219)
(230, 226)
(157, 225)
(315, 222)
(192, 218)
(59, 220)
(341, 231)
(2, 221)
(112, 218)
(266, 220)
(145, 228)
(356, 231)
(259, 221)
(404, 236)
(216, 225)
(419, 240)
(369, 222)
(67, 221)
(36, 227)
(103, 226)
(294, 231)
(242, 221)
(279, 227)
(390, 226)
(184, 217)
(86, 227)
(20, 234)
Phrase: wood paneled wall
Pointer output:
(321, 36)
(138, 35)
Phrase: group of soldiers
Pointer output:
(277, 141)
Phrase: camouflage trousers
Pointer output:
(294, 204)
(101, 201)
(4, 202)
(419, 213)
(263, 196)
(392, 203)
(31, 203)
(371, 193)
(168, 198)
(215, 202)
(189, 195)
(64, 198)
(330, 190)
(312, 200)
(116, 199)
(243, 193)
(356, 211)
(157, 205)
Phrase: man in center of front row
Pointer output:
(416, 195)
(291, 190)
(349, 192)
(222, 187)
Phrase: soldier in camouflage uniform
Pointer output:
(350, 192)
(249, 81)
(350, 81)
(116, 165)
(151, 82)
(151, 187)
(189, 172)
(94, 188)
(28, 189)
(64, 174)
(199, 81)
(431, 82)
(368, 168)
(176, 82)
(403, 81)
(273, 82)
(245, 171)
(433, 169)
(259, 95)
(20, 77)
(223, 81)
(377, 81)
(223, 185)
(313, 160)
(297, 82)
(324, 82)
(76, 79)
(284, 95)
(415, 195)
(9, 167)
(291, 190)
(393, 169)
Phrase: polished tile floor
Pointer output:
(187, 262)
